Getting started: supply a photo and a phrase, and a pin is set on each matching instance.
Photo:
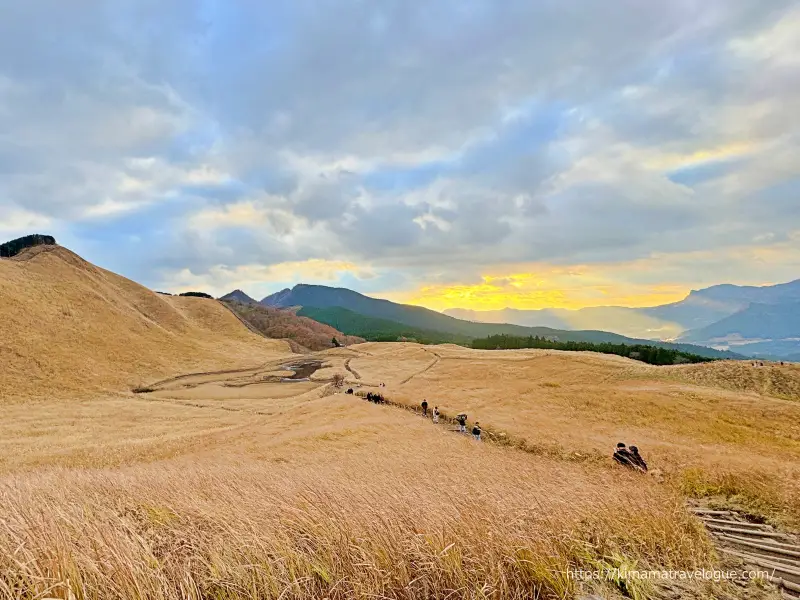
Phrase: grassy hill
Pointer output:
(70, 328)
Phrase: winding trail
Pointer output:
(427, 368)
(350, 369)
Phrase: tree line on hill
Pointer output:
(653, 355)
(378, 330)
(14, 247)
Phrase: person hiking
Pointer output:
(637, 459)
(435, 414)
(462, 422)
(424, 408)
(623, 456)
(476, 432)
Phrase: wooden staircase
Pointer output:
(759, 546)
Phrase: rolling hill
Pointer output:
(70, 328)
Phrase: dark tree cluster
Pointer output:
(653, 355)
(197, 295)
(16, 246)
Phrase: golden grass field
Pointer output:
(232, 485)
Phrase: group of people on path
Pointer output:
(628, 457)
(461, 419)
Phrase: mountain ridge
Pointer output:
(685, 320)
(326, 297)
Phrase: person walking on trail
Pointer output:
(424, 408)
(435, 414)
(476, 432)
(462, 422)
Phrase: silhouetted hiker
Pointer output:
(462, 422)
(369, 396)
(435, 414)
(637, 459)
(349, 391)
(476, 432)
(623, 456)
(424, 408)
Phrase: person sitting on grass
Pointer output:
(623, 456)
(630, 458)
(424, 408)
(638, 460)
(476, 432)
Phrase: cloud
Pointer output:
(182, 139)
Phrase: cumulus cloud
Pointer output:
(434, 142)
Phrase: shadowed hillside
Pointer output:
(70, 327)
(285, 324)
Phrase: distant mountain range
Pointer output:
(357, 314)
(757, 321)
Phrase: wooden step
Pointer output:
(752, 532)
(763, 541)
(785, 572)
(787, 586)
(739, 524)
(789, 554)
(705, 511)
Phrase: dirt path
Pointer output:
(427, 368)
(350, 369)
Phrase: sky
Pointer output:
(465, 153)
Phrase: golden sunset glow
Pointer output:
(554, 287)
(538, 285)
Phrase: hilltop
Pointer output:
(238, 296)
(71, 328)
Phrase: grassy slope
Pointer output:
(70, 328)
(724, 427)
(308, 497)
